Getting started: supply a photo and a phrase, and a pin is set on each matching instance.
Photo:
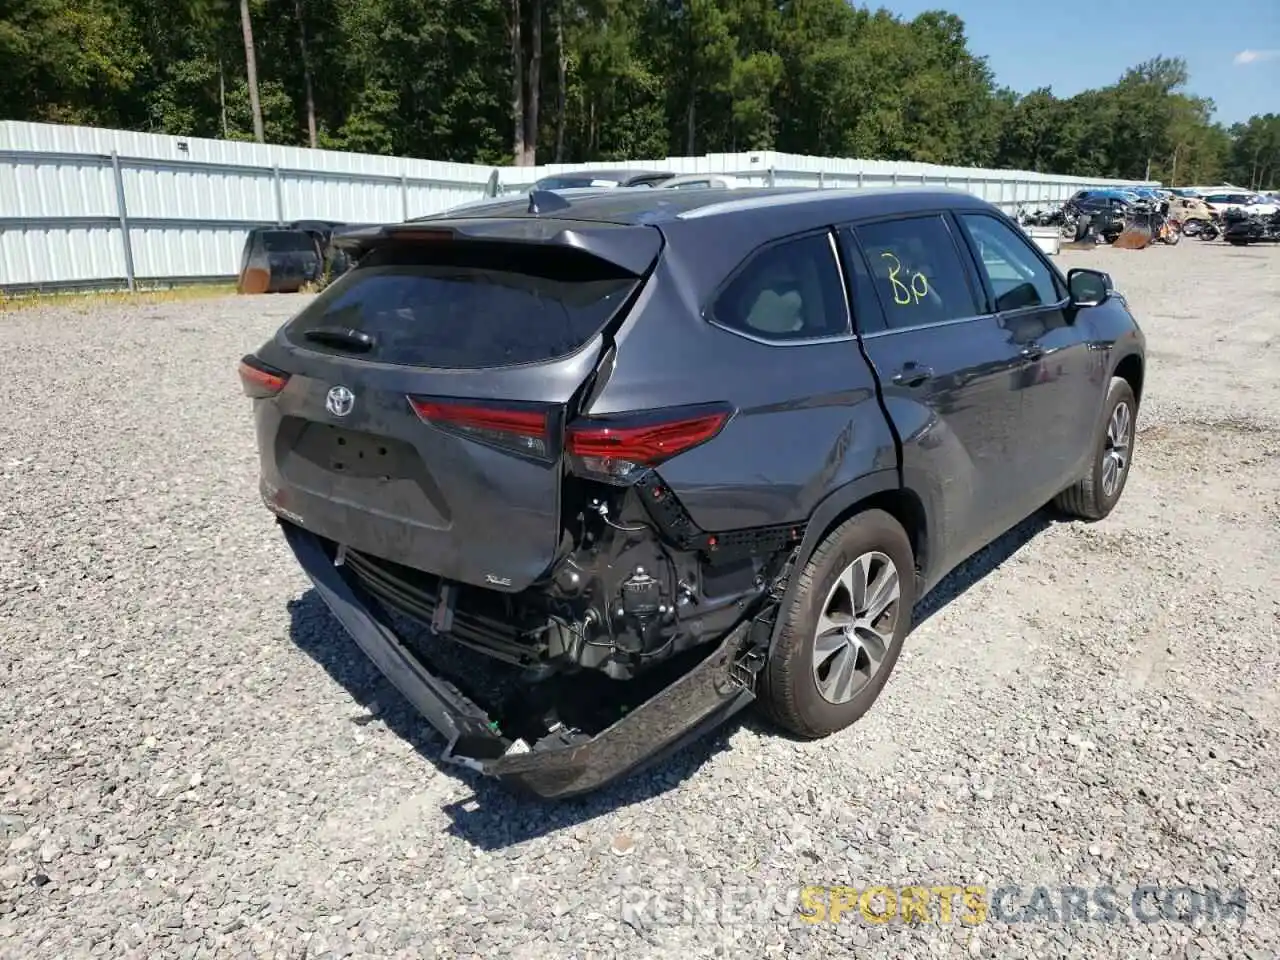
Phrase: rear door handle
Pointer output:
(1032, 351)
(912, 375)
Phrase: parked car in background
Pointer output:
(603, 178)
(578, 182)
(320, 230)
(1243, 201)
(1097, 193)
(1193, 214)
(278, 260)
(694, 181)
(662, 454)
(1103, 211)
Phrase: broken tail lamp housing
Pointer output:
(620, 449)
(524, 429)
(615, 449)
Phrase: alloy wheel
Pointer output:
(856, 627)
(1115, 456)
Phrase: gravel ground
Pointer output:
(196, 762)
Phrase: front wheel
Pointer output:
(1097, 493)
(843, 631)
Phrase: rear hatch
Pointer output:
(422, 418)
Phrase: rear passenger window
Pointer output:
(867, 316)
(1019, 279)
(786, 292)
(917, 271)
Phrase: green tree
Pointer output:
(1254, 156)
(600, 80)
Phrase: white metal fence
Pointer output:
(83, 207)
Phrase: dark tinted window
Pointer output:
(917, 271)
(867, 316)
(1018, 277)
(288, 241)
(470, 305)
(789, 291)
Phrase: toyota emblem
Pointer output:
(339, 401)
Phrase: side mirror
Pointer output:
(1089, 288)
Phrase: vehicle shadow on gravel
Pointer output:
(494, 817)
(983, 563)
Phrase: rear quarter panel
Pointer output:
(808, 420)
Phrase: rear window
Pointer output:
(470, 305)
(287, 241)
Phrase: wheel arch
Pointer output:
(877, 491)
(1131, 370)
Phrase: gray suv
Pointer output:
(657, 455)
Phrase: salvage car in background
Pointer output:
(664, 453)
(575, 182)
(704, 181)
(278, 260)
(1220, 203)
(603, 178)
(1194, 215)
(1103, 213)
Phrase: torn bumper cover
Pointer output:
(706, 696)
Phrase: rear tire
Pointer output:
(1097, 494)
(843, 631)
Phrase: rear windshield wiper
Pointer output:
(344, 338)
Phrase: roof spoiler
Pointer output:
(629, 247)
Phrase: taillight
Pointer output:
(621, 448)
(518, 428)
(260, 381)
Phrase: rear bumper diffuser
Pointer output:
(686, 709)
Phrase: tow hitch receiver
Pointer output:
(714, 689)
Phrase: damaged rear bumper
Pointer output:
(711, 692)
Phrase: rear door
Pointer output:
(423, 418)
(950, 374)
(1061, 390)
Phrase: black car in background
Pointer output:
(1103, 211)
(661, 454)
(278, 260)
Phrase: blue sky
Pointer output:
(1232, 47)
